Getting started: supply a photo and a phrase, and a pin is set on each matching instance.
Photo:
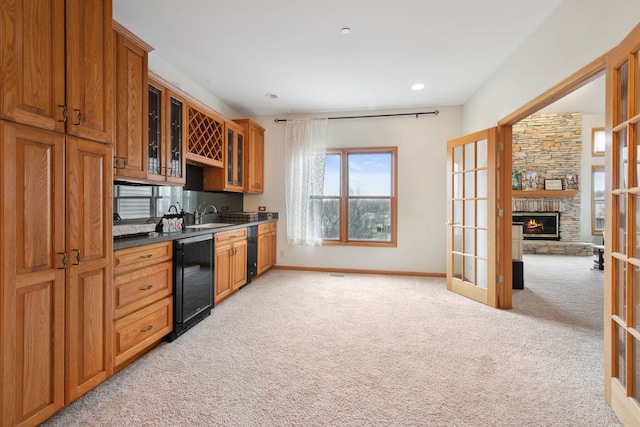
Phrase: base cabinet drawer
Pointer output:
(142, 329)
(138, 257)
(142, 287)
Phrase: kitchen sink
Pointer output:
(208, 225)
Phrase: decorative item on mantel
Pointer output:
(530, 180)
(553, 184)
(516, 181)
(571, 181)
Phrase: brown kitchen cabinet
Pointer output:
(142, 312)
(57, 112)
(130, 141)
(267, 236)
(53, 47)
(205, 136)
(32, 274)
(231, 176)
(230, 262)
(167, 133)
(254, 156)
(89, 184)
(57, 244)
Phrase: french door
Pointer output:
(471, 216)
(622, 241)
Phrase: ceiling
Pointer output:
(243, 49)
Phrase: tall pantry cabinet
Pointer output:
(56, 171)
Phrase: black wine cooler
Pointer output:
(192, 282)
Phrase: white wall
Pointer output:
(180, 80)
(578, 32)
(421, 146)
(589, 121)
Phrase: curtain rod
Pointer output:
(434, 112)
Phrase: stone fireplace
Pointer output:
(550, 144)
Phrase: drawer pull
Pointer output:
(147, 256)
(146, 288)
(150, 327)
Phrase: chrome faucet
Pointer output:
(197, 215)
(210, 206)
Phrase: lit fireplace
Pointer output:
(538, 225)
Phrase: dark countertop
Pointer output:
(130, 242)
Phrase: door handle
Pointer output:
(64, 113)
(80, 116)
(77, 251)
(63, 260)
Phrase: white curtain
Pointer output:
(305, 148)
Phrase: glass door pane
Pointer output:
(175, 155)
(239, 159)
(230, 159)
(154, 163)
(623, 93)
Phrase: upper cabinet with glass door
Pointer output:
(231, 176)
(253, 156)
(166, 134)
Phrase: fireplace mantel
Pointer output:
(543, 193)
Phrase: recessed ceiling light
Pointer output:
(345, 30)
(418, 86)
(270, 95)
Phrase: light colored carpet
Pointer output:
(316, 349)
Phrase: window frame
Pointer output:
(344, 197)
(595, 169)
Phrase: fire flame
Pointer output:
(534, 226)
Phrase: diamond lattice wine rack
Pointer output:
(206, 138)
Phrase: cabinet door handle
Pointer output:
(64, 113)
(146, 256)
(146, 288)
(80, 116)
(63, 260)
(150, 327)
(77, 251)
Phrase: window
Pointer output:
(597, 141)
(144, 201)
(597, 200)
(359, 197)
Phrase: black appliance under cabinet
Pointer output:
(252, 252)
(192, 282)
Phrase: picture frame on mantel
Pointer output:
(530, 180)
(516, 181)
(571, 181)
(553, 184)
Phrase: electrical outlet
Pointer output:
(262, 208)
(281, 254)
